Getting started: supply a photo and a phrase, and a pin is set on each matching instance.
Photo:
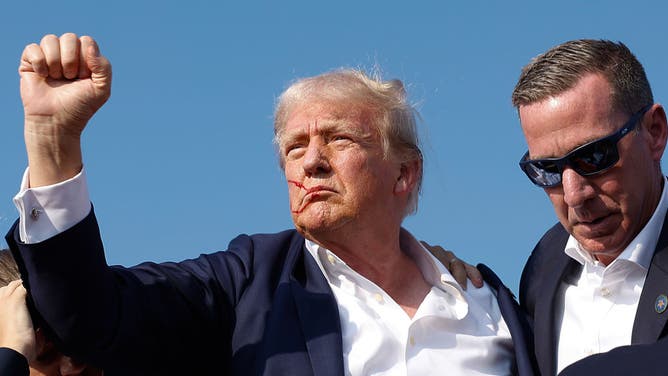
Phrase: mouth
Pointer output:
(311, 194)
(314, 194)
(318, 189)
(593, 222)
(598, 226)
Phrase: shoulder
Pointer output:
(549, 246)
(268, 242)
(485, 296)
(254, 251)
(544, 258)
(245, 257)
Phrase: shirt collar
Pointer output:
(433, 271)
(640, 250)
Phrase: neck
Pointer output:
(379, 258)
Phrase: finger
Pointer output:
(474, 275)
(443, 256)
(33, 60)
(100, 68)
(85, 42)
(11, 288)
(51, 47)
(69, 55)
(458, 270)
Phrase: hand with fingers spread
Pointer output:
(459, 269)
(64, 81)
(16, 330)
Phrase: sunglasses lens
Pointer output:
(543, 173)
(594, 158)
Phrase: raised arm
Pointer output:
(64, 81)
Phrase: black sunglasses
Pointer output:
(589, 159)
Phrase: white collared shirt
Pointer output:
(599, 308)
(453, 332)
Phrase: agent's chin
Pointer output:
(602, 247)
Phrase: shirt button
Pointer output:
(378, 297)
(331, 259)
(411, 340)
(34, 213)
(605, 292)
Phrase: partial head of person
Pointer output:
(595, 139)
(349, 148)
(49, 361)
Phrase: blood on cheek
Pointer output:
(297, 184)
(309, 199)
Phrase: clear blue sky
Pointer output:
(180, 160)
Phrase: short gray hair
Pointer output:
(561, 68)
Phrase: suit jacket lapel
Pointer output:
(545, 325)
(649, 324)
(318, 314)
(517, 324)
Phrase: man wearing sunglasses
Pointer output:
(597, 280)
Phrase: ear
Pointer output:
(409, 175)
(657, 129)
(69, 367)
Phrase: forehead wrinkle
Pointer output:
(327, 127)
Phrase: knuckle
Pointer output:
(48, 38)
(69, 35)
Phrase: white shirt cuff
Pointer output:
(47, 211)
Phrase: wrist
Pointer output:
(54, 153)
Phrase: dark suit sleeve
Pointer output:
(12, 363)
(646, 360)
(171, 318)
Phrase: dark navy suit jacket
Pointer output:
(260, 308)
(548, 266)
(12, 363)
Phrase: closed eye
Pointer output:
(341, 138)
(294, 148)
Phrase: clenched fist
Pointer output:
(64, 81)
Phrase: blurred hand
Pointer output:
(64, 81)
(460, 270)
(16, 330)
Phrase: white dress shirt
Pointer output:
(599, 307)
(453, 332)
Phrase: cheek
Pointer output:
(556, 197)
(619, 191)
(292, 178)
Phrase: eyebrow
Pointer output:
(327, 127)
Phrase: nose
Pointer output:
(577, 188)
(315, 160)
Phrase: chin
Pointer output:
(601, 247)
